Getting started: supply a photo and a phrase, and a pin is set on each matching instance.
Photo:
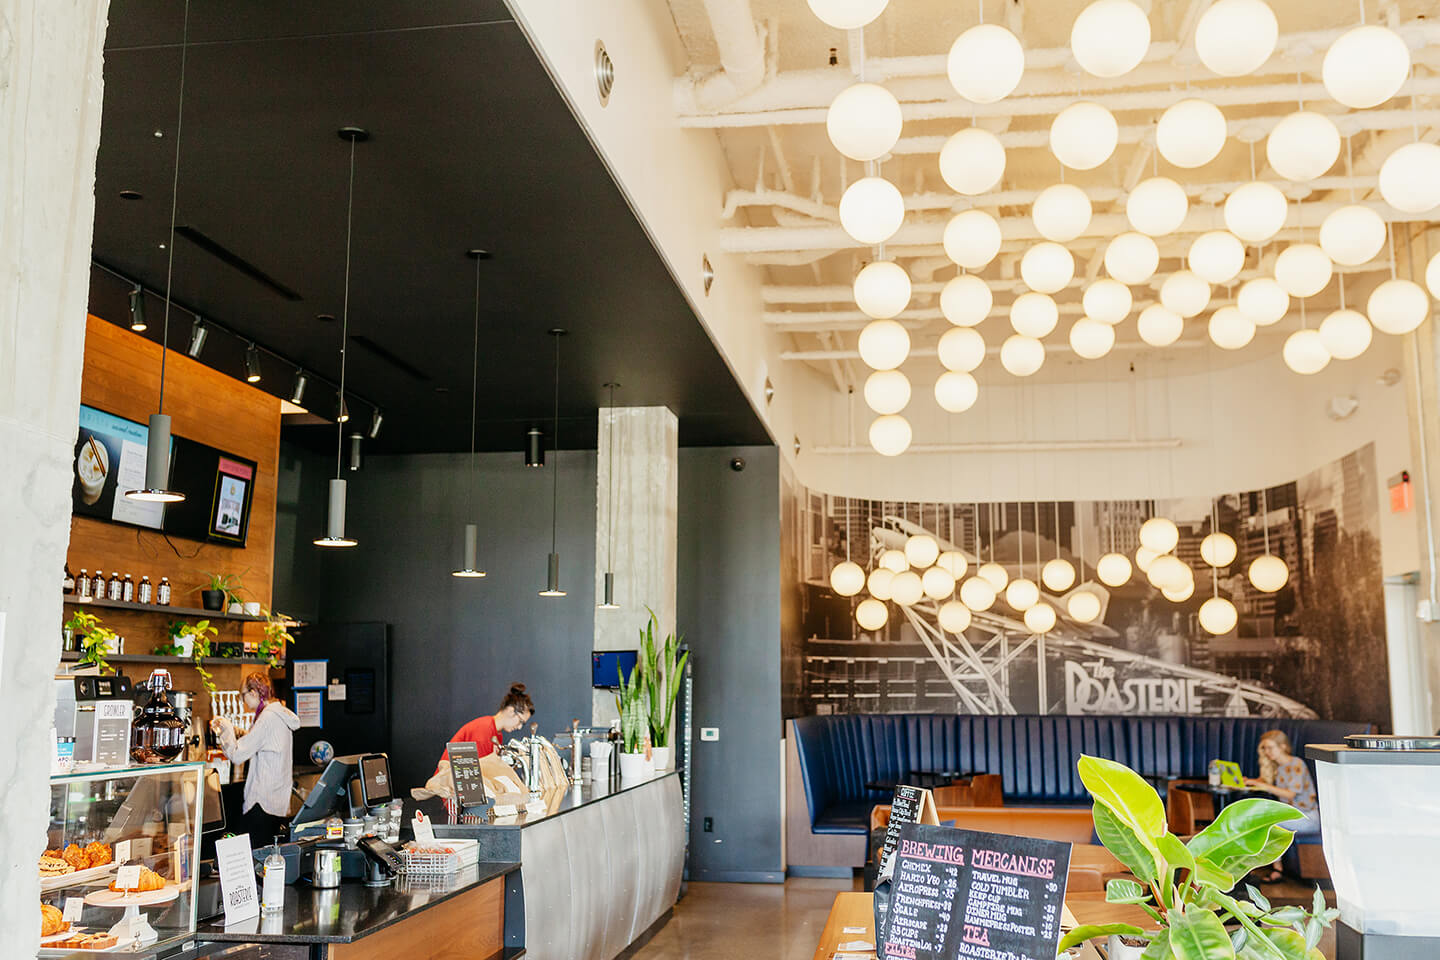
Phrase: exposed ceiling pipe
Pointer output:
(1048, 72)
(1014, 446)
(742, 56)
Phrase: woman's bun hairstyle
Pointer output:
(518, 699)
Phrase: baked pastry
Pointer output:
(76, 857)
(53, 853)
(99, 853)
(52, 921)
(85, 941)
(149, 881)
(54, 867)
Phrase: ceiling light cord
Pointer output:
(610, 534)
(345, 311)
(174, 202)
(474, 386)
(555, 477)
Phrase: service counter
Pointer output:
(600, 869)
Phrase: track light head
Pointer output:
(198, 333)
(342, 414)
(535, 448)
(252, 364)
(297, 390)
(376, 419)
(137, 309)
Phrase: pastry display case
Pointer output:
(118, 873)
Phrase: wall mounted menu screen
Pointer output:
(965, 894)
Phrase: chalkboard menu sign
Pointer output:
(465, 771)
(963, 894)
(910, 805)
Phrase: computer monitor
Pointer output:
(330, 794)
(375, 785)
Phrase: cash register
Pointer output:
(348, 787)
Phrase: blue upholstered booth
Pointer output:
(1035, 755)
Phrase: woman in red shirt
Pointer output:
(485, 732)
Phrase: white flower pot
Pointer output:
(633, 766)
(252, 608)
(1119, 950)
(664, 757)
(186, 643)
(236, 607)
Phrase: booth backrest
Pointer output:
(1035, 755)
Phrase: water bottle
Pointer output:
(272, 892)
(1214, 773)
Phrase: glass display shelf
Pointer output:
(121, 851)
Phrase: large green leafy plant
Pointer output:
(1185, 886)
(662, 674)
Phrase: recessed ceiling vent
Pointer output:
(604, 73)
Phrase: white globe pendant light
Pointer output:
(1432, 276)
(1144, 556)
(1263, 301)
(1108, 301)
(1407, 178)
(985, 63)
(938, 584)
(1352, 235)
(1184, 293)
(1217, 256)
(1047, 267)
(1397, 306)
(1022, 356)
(1179, 594)
(954, 563)
(1190, 133)
(1040, 618)
(894, 561)
(1091, 339)
(864, 121)
(1159, 534)
(847, 14)
(1303, 269)
(977, 593)
(1061, 212)
(1218, 616)
(972, 161)
(890, 435)
(1365, 67)
(1157, 206)
(1268, 573)
(1113, 569)
(1058, 575)
(878, 583)
(971, 239)
(965, 300)
(1022, 594)
(1255, 211)
(887, 391)
(956, 392)
(882, 289)
(921, 550)
(1236, 37)
(1160, 327)
(1168, 572)
(847, 579)
(1132, 257)
(1230, 329)
(871, 614)
(994, 574)
(961, 349)
(907, 588)
(1303, 146)
(871, 210)
(1084, 135)
(1083, 606)
(884, 344)
(954, 616)
(1305, 353)
(1218, 550)
(1110, 38)
(1346, 334)
(1034, 314)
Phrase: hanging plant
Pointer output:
(95, 640)
(277, 635)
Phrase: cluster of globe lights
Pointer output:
(1363, 68)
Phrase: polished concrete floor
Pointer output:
(771, 921)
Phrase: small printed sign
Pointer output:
(336, 691)
(309, 674)
(122, 851)
(237, 878)
(128, 877)
(74, 906)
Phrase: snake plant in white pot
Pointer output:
(662, 673)
(630, 700)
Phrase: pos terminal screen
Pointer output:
(375, 779)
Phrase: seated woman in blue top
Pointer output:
(1287, 778)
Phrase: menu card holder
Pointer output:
(910, 805)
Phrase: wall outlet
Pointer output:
(1423, 610)
(709, 734)
(709, 825)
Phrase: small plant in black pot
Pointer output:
(219, 591)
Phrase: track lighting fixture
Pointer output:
(198, 334)
(252, 364)
(137, 309)
(355, 440)
(342, 412)
(376, 419)
(535, 448)
(297, 390)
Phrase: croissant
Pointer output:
(149, 880)
(52, 921)
(98, 853)
(76, 857)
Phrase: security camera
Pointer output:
(737, 464)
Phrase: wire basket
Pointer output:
(441, 858)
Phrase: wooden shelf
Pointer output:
(74, 601)
(70, 656)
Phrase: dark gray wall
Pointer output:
(299, 519)
(457, 645)
(729, 612)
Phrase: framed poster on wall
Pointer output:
(230, 507)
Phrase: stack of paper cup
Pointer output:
(600, 751)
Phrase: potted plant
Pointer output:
(634, 730)
(220, 591)
(662, 674)
(1185, 886)
(277, 635)
(95, 641)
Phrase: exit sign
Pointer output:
(1401, 496)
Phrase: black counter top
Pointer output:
(556, 803)
(352, 910)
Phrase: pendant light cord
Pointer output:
(174, 201)
(610, 535)
(849, 459)
(345, 311)
(474, 385)
(555, 479)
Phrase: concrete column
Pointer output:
(50, 91)
(643, 445)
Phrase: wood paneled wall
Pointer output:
(122, 376)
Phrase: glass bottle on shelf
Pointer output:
(162, 592)
(69, 582)
(127, 589)
(97, 585)
(145, 592)
(115, 586)
(82, 585)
